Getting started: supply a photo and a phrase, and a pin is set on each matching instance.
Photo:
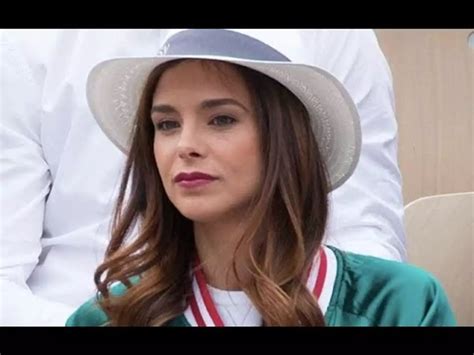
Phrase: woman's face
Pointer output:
(206, 141)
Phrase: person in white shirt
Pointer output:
(60, 174)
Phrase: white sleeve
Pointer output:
(367, 211)
(25, 184)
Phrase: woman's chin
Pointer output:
(200, 214)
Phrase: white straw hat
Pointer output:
(114, 87)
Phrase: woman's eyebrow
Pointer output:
(212, 103)
(206, 104)
(163, 109)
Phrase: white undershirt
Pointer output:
(236, 309)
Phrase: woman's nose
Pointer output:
(189, 143)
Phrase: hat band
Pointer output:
(217, 42)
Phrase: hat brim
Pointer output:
(114, 88)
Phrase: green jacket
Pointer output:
(367, 291)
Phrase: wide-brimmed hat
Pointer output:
(114, 87)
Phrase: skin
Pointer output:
(205, 121)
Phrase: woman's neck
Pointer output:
(216, 243)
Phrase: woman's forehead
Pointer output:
(197, 77)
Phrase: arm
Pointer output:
(367, 211)
(26, 182)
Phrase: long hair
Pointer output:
(285, 229)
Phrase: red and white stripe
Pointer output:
(331, 270)
(202, 312)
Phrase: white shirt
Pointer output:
(236, 309)
(59, 174)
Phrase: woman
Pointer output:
(233, 152)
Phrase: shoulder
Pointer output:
(26, 57)
(91, 314)
(35, 45)
(392, 293)
(374, 268)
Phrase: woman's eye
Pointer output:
(167, 125)
(222, 120)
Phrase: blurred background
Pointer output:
(433, 75)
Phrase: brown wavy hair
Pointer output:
(285, 229)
